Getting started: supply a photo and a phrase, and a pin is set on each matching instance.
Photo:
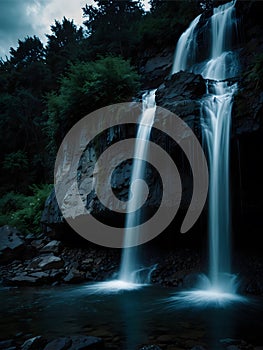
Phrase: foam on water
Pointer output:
(114, 286)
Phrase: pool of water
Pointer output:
(128, 318)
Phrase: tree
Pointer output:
(86, 87)
(112, 25)
(63, 46)
(26, 68)
(29, 50)
(166, 21)
(21, 132)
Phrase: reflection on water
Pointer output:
(128, 318)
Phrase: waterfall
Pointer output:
(129, 262)
(217, 108)
(216, 127)
(186, 48)
(216, 122)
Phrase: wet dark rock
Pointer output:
(22, 280)
(47, 262)
(178, 91)
(51, 214)
(74, 276)
(56, 274)
(198, 347)
(19, 334)
(150, 347)
(11, 245)
(52, 247)
(30, 237)
(79, 342)
(86, 342)
(181, 94)
(38, 243)
(35, 343)
(5, 344)
(59, 344)
(156, 67)
(230, 341)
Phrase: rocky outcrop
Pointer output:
(155, 66)
(181, 94)
(59, 344)
(52, 247)
(47, 262)
(52, 218)
(75, 276)
(11, 245)
(54, 263)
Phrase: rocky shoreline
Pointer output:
(84, 342)
(38, 261)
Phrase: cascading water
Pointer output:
(185, 52)
(216, 121)
(129, 262)
(217, 108)
(132, 275)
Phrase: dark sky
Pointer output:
(19, 18)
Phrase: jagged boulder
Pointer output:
(11, 245)
(181, 94)
(155, 66)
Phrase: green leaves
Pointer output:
(112, 26)
(86, 87)
(24, 211)
(16, 161)
(63, 47)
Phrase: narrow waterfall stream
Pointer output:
(186, 48)
(129, 262)
(131, 274)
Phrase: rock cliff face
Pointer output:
(181, 94)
